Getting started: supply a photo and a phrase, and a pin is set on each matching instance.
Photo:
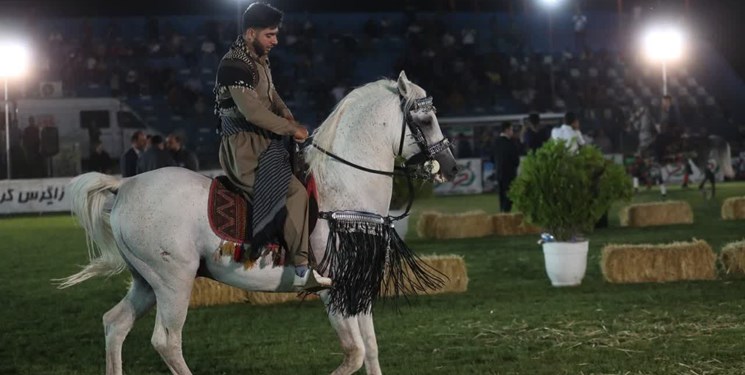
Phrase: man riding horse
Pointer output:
(256, 125)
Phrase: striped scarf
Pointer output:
(270, 189)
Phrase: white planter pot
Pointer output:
(566, 262)
(402, 226)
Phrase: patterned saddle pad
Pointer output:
(228, 211)
(230, 214)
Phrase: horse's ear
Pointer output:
(403, 84)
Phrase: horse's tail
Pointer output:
(89, 192)
(727, 161)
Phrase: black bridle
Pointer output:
(427, 152)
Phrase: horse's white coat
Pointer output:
(158, 226)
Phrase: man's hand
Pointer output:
(301, 134)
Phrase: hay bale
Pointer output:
(207, 292)
(658, 263)
(425, 228)
(656, 213)
(732, 258)
(465, 225)
(512, 224)
(733, 208)
(452, 266)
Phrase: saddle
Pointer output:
(229, 214)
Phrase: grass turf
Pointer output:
(511, 321)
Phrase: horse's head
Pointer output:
(423, 141)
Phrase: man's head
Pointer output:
(667, 101)
(506, 129)
(156, 141)
(174, 142)
(570, 118)
(260, 27)
(139, 140)
(534, 119)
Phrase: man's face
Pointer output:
(509, 132)
(172, 144)
(575, 125)
(141, 142)
(262, 40)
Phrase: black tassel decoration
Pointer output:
(365, 257)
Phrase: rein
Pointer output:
(427, 152)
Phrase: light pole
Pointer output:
(550, 5)
(13, 64)
(664, 44)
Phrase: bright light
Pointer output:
(550, 3)
(14, 59)
(664, 44)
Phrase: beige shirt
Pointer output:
(262, 106)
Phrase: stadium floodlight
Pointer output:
(550, 3)
(664, 44)
(14, 60)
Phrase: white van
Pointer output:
(80, 121)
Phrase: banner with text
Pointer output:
(43, 195)
(468, 180)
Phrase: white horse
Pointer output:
(158, 227)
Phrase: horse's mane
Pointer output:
(326, 133)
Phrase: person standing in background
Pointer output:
(128, 160)
(569, 132)
(506, 160)
(183, 157)
(155, 156)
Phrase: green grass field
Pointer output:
(511, 321)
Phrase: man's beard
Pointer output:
(258, 48)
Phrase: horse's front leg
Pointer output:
(367, 329)
(350, 338)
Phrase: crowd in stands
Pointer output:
(166, 71)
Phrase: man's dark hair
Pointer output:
(570, 118)
(178, 138)
(505, 125)
(261, 16)
(668, 97)
(156, 140)
(136, 135)
(534, 118)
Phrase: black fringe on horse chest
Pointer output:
(367, 259)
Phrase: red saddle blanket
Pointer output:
(229, 212)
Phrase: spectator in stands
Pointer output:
(506, 160)
(128, 160)
(569, 132)
(579, 21)
(155, 156)
(184, 158)
(99, 160)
